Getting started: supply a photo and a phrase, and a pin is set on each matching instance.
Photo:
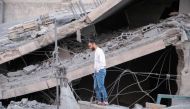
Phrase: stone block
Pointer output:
(15, 74)
(30, 68)
(3, 79)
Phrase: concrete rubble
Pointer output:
(25, 104)
(172, 31)
(3, 79)
(169, 30)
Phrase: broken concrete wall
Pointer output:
(185, 72)
(24, 9)
(68, 100)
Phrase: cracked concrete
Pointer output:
(168, 34)
(142, 41)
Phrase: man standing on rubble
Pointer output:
(99, 73)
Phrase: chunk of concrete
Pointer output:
(1, 106)
(68, 100)
(151, 33)
(154, 106)
(15, 74)
(3, 79)
(24, 100)
(138, 106)
(30, 68)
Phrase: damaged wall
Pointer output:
(24, 9)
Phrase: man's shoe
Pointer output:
(99, 103)
(105, 103)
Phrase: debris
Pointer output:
(24, 100)
(15, 74)
(30, 68)
(3, 79)
(25, 104)
(68, 100)
(151, 33)
(138, 106)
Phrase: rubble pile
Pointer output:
(176, 26)
(25, 104)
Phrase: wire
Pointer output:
(143, 74)
(149, 93)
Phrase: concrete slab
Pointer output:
(14, 74)
(125, 51)
(88, 105)
(98, 12)
(40, 42)
(3, 79)
(123, 55)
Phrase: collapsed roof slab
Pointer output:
(116, 58)
(37, 43)
(126, 47)
(121, 49)
(63, 31)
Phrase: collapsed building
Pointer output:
(27, 64)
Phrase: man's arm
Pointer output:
(102, 59)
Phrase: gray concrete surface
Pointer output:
(11, 49)
(24, 9)
(116, 50)
(88, 105)
(184, 6)
(68, 100)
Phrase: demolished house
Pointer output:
(147, 57)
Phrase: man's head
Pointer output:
(92, 45)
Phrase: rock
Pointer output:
(15, 74)
(25, 104)
(30, 68)
(138, 106)
(24, 100)
(3, 79)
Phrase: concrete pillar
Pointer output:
(68, 100)
(1, 11)
(183, 69)
(184, 85)
(180, 65)
(184, 6)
